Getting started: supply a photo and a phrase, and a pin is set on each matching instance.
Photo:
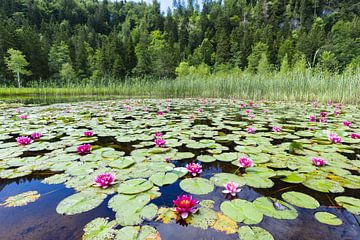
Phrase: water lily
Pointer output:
(318, 161)
(204, 101)
(323, 114)
(185, 205)
(88, 133)
(159, 142)
(231, 188)
(246, 162)
(160, 113)
(312, 118)
(36, 135)
(277, 129)
(323, 120)
(158, 135)
(24, 116)
(200, 110)
(251, 130)
(251, 116)
(168, 159)
(337, 112)
(355, 135)
(105, 180)
(84, 149)
(334, 138)
(266, 110)
(24, 140)
(194, 168)
(347, 123)
(248, 111)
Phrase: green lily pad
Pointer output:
(135, 186)
(99, 229)
(351, 204)
(254, 233)
(222, 178)
(21, 199)
(197, 186)
(328, 218)
(301, 200)
(275, 208)
(161, 179)
(80, 202)
(206, 158)
(137, 233)
(242, 211)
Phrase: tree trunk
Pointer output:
(18, 79)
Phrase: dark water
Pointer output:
(39, 220)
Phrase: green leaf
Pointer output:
(138, 233)
(241, 211)
(275, 208)
(222, 178)
(301, 200)
(122, 163)
(323, 185)
(135, 186)
(254, 233)
(99, 229)
(197, 186)
(161, 179)
(351, 204)
(80, 202)
(227, 157)
(206, 158)
(328, 218)
(21, 199)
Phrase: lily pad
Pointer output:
(254, 233)
(241, 211)
(197, 186)
(301, 200)
(21, 199)
(281, 210)
(135, 186)
(328, 218)
(99, 229)
(161, 179)
(351, 204)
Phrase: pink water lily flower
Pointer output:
(204, 101)
(88, 133)
(248, 111)
(160, 113)
(105, 180)
(323, 114)
(251, 130)
(24, 116)
(251, 116)
(242, 105)
(200, 110)
(24, 140)
(334, 138)
(355, 135)
(312, 118)
(246, 162)
(323, 120)
(158, 135)
(337, 112)
(159, 142)
(185, 205)
(277, 129)
(318, 161)
(266, 110)
(194, 168)
(231, 188)
(84, 149)
(36, 135)
(347, 123)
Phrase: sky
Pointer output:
(163, 3)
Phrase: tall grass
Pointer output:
(304, 86)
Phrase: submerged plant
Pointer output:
(105, 180)
(36, 135)
(84, 149)
(231, 188)
(194, 168)
(334, 138)
(24, 140)
(246, 162)
(185, 205)
(319, 162)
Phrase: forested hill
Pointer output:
(87, 39)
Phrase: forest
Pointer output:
(61, 41)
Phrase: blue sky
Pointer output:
(164, 3)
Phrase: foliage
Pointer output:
(17, 64)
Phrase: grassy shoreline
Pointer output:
(292, 87)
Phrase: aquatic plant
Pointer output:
(88, 133)
(312, 118)
(246, 162)
(276, 129)
(84, 149)
(194, 168)
(24, 140)
(319, 162)
(185, 205)
(24, 116)
(159, 142)
(36, 135)
(355, 135)
(347, 123)
(334, 138)
(231, 188)
(251, 130)
(104, 180)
